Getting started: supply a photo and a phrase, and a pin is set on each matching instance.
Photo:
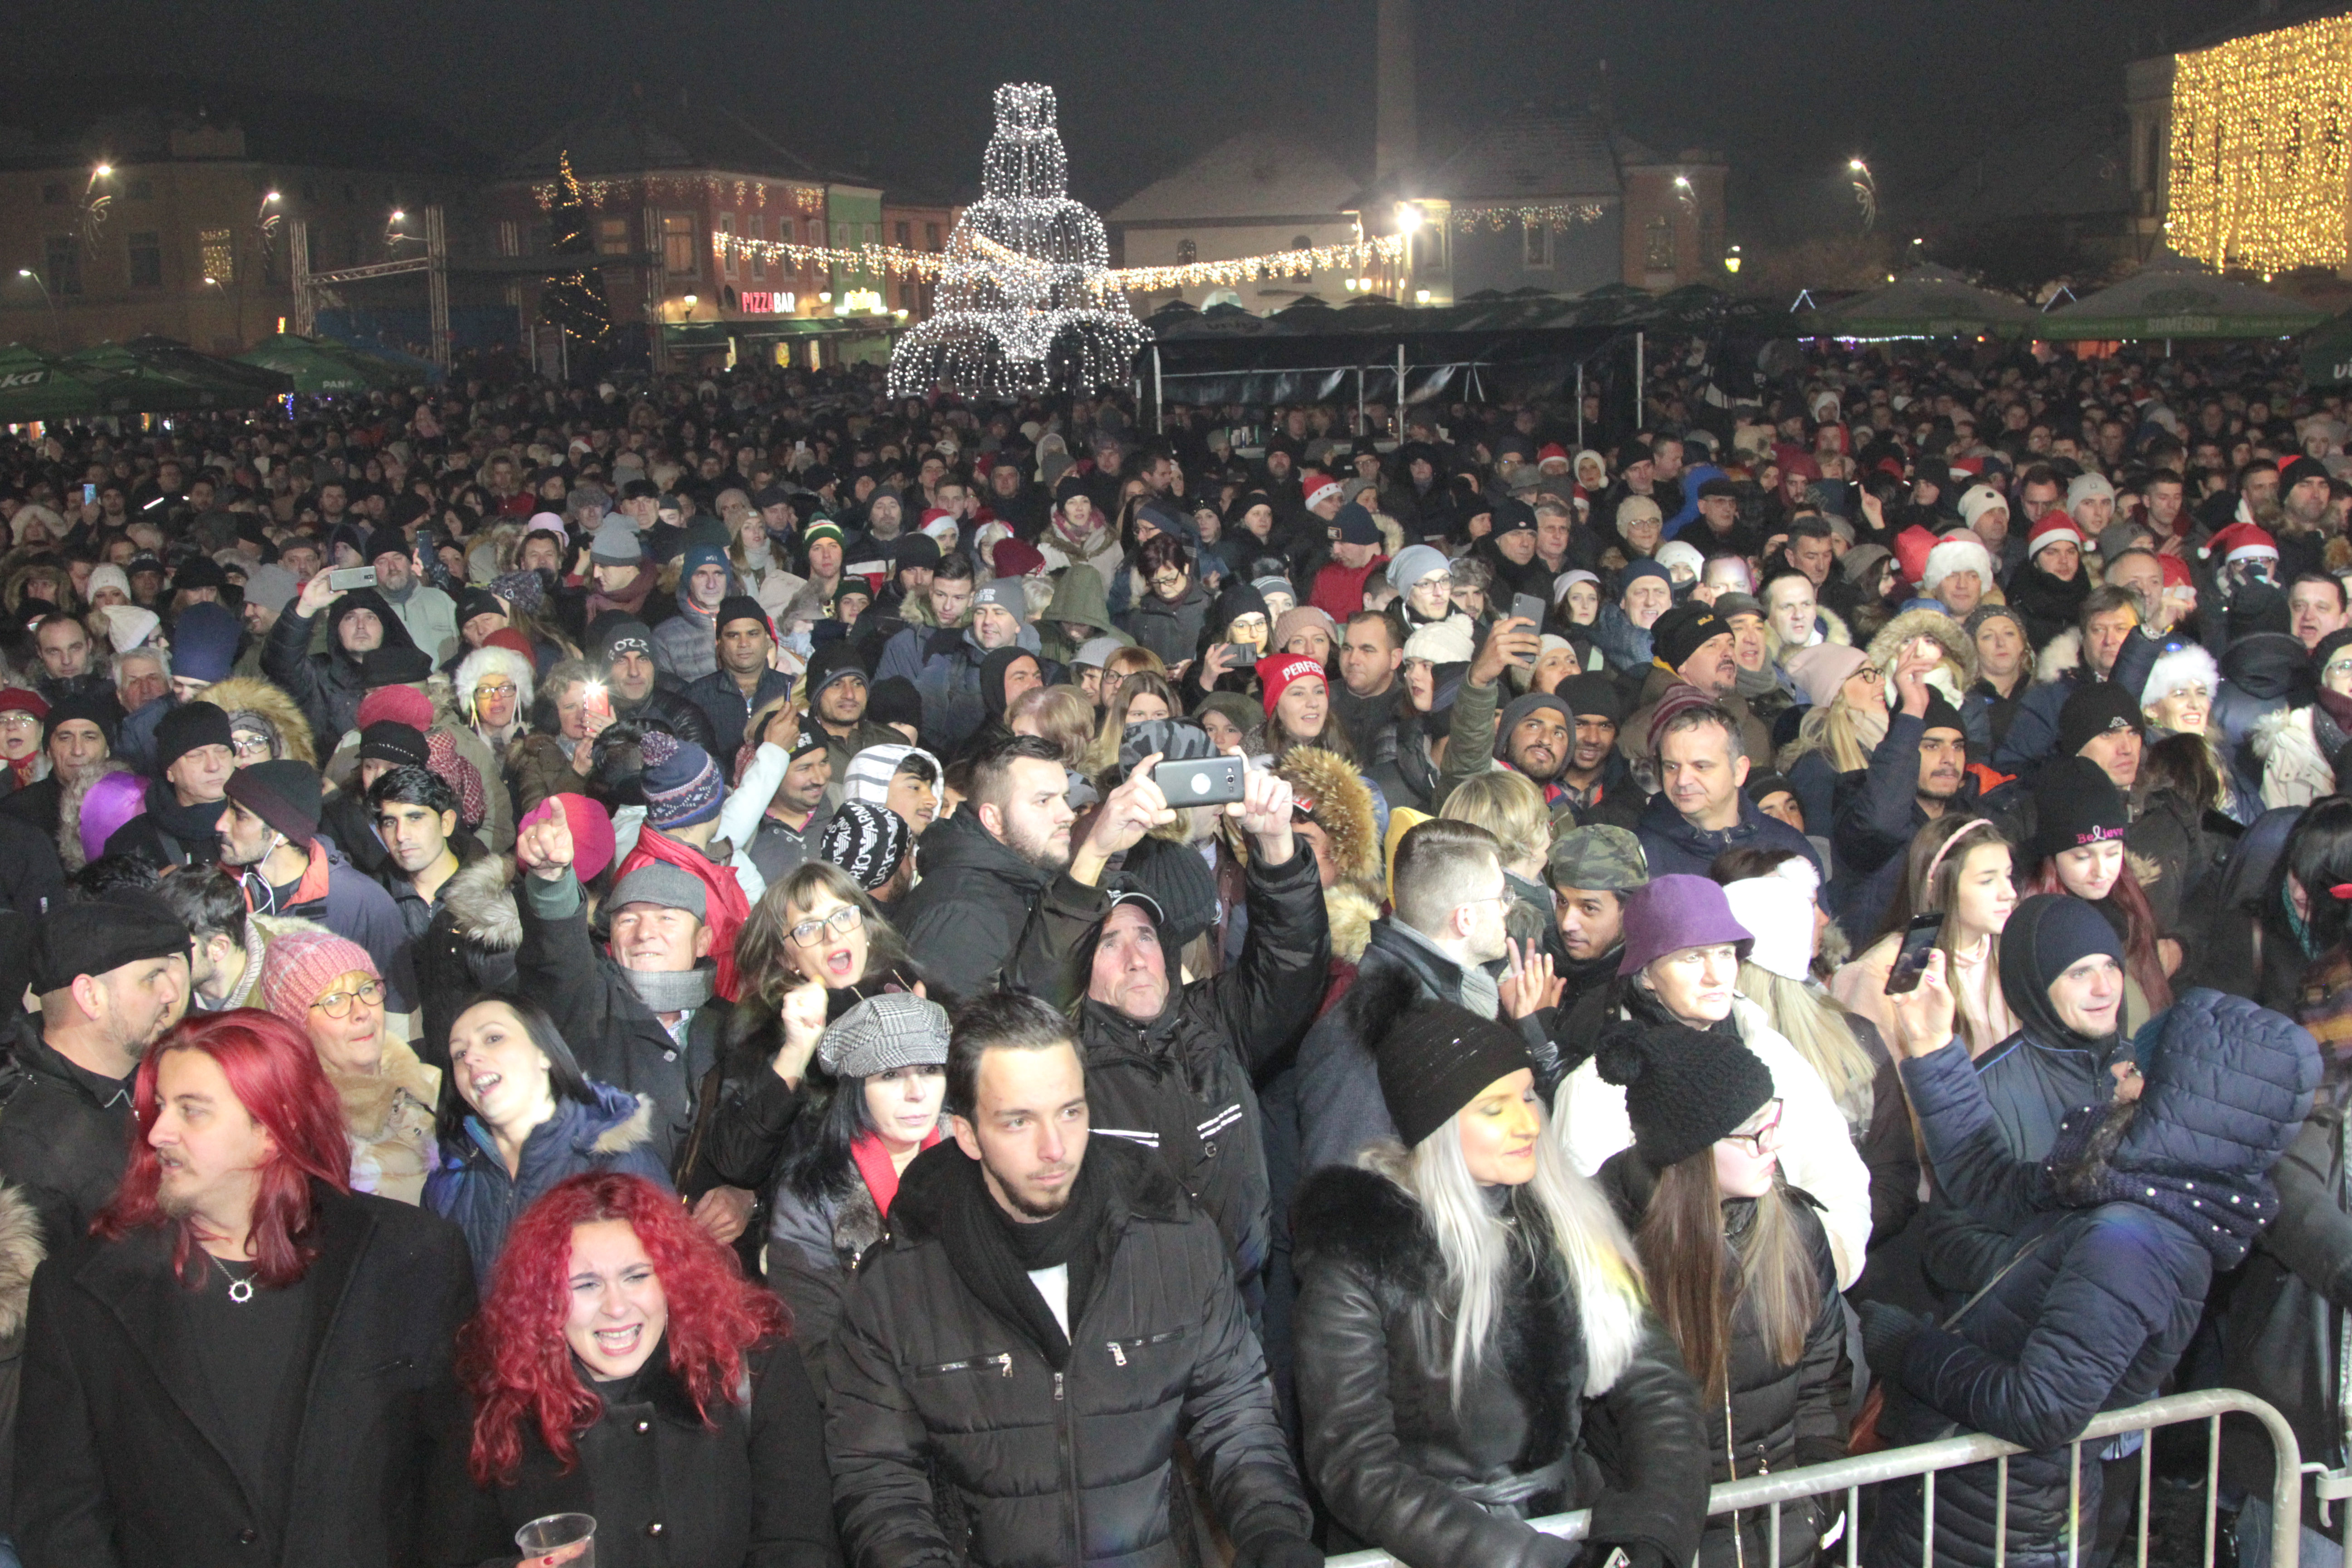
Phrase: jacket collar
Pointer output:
(1439, 975)
(33, 1054)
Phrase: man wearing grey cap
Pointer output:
(950, 679)
(1591, 871)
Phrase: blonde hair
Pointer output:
(1475, 1244)
(1507, 804)
(1829, 727)
(1816, 1024)
(1063, 716)
(1103, 755)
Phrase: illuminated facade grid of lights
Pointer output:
(2259, 127)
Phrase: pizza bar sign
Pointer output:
(760, 303)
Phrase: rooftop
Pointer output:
(136, 119)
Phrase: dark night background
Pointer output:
(899, 89)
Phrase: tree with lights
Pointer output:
(574, 300)
(1027, 302)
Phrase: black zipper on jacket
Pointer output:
(1069, 1466)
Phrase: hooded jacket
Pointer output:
(2097, 1312)
(468, 949)
(949, 683)
(472, 1188)
(1078, 599)
(686, 646)
(2262, 674)
(327, 685)
(1171, 630)
(966, 917)
(1406, 1465)
(953, 1438)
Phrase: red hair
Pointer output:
(513, 1357)
(2141, 961)
(276, 1076)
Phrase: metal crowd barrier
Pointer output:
(1926, 1460)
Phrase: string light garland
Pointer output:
(1027, 300)
(739, 193)
(2258, 126)
(899, 261)
(1557, 217)
(574, 300)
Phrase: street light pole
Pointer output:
(48, 298)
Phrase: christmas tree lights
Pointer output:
(574, 300)
(1027, 300)
(2258, 149)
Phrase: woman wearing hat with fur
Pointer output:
(1740, 1271)
(1468, 1311)
(1681, 966)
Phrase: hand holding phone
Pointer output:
(1530, 608)
(344, 579)
(1204, 781)
(1911, 958)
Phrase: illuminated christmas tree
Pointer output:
(1026, 303)
(574, 300)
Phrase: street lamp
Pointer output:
(691, 300)
(1407, 218)
(46, 297)
(1731, 261)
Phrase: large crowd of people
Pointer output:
(679, 950)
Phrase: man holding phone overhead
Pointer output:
(1918, 772)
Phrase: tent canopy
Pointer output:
(165, 377)
(318, 367)
(1928, 302)
(2175, 297)
(35, 385)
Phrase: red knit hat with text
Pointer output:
(1278, 671)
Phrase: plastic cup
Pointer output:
(569, 1537)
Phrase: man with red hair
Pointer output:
(244, 1361)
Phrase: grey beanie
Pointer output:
(616, 544)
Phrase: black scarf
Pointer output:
(993, 1254)
(197, 827)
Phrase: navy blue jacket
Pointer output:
(1673, 845)
(473, 1188)
(2100, 1308)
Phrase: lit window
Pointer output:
(677, 244)
(218, 253)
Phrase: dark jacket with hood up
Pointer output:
(1185, 1083)
(2110, 1274)
(955, 1437)
(966, 917)
(2262, 673)
(1405, 1466)
(327, 685)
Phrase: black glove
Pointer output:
(1278, 1550)
(1886, 1330)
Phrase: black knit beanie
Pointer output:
(1940, 714)
(2093, 710)
(1436, 1058)
(2075, 803)
(1685, 1088)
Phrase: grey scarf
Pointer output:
(672, 991)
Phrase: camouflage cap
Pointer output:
(1598, 857)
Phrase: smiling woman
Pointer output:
(329, 989)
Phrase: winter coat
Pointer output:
(166, 833)
(949, 683)
(1079, 599)
(472, 1187)
(1780, 1416)
(2032, 737)
(1633, 734)
(328, 686)
(686, 646)
(32, 877)
(1172, 631)
(64, 1133)
(1876, 814)
(1671, 845)
(967, 915)
(346, 901)
(1405, 1466)
(813, 1250)
(467, 950)
(952, 1437)
(2262, 674)
(135, 1469)
(1184, 1083)
(664, 1486)
(1817, 1152)
(729, 711)
(537, 768)
(2297, 769)
(615, 1036)
(667, 707)
(2101, 1297)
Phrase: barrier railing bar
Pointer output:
(2073, 1501)
(2000, 1511)
(1923, 1460)
(2147, 1478)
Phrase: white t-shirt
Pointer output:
(1054, 1284)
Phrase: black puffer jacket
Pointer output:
(1780, 1415)
(1405, 1467)
(327, 685)
(941, 1411)
(966, 917)
(65, 1134)
(1185, 1083)
(2104, 1293)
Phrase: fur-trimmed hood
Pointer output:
(1348, 910)
(1342, 807)
(631, 1130)
(1834, 630)
(240, 692)
(1959, 648)
(481, 899)
(21, 1251)
(1364, 1219)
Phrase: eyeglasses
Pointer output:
(252, 746)
(1754, 1138)
(494, 689)
(2337, 667)
(841, 922)
(18, 722)
(338, 1003)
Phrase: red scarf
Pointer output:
(874, 1164)
(726, 909)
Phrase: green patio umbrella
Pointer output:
(2327, 353)
(140, 383)
(320, 368)
(1927, 301)
(2174, 298)
(35, 385)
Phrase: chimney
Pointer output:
(1396, 143)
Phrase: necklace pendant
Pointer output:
(240, 1292)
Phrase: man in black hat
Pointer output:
(195, 754)
(430, 615)
(78, 739)
(796, 817)
(747, 678)
(1690, 645)
(1356, 554)
(640, 693)
(270, 836)
(1919, 773)
(112, 976)
(1597, 782)
(837, 690)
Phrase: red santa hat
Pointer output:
(1321, 489)
(2242, 541)
(1552, 452)
(2055, 528)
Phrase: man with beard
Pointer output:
(795, 816)
(112, 976)
(81, 738)
(1591, 871)
(2303, 494)
(837, 690)
(1597, 783)
(1690, 646)
(1536, 738)
(1918, 772)
(329, 684)
(624, 646)
(1024, 1244)
(430, 615)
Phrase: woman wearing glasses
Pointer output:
(1739, 1269)
(329, 989)
(524, 1118)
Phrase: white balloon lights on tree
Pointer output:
(1026, 298)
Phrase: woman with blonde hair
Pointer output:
(1509, 806)
(1846, 719)
(1057, 713)
(1120, 666)
(1470, 1318)
(1141, 695)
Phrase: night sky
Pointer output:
(901, 88)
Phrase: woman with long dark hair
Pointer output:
(524, 1118)
(1468, 1311)
(1739, 1271)
(1962, 869)
(883, 1069)
(2079, 820)
(623, 1368)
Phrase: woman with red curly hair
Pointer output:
(613, 1317)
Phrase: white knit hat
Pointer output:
(1442, 642)
(1978, 500)
(871, 771)
(1956, 553)
(1778, 910)
(2088, 487)
(2186, 665)
(1683, 554)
